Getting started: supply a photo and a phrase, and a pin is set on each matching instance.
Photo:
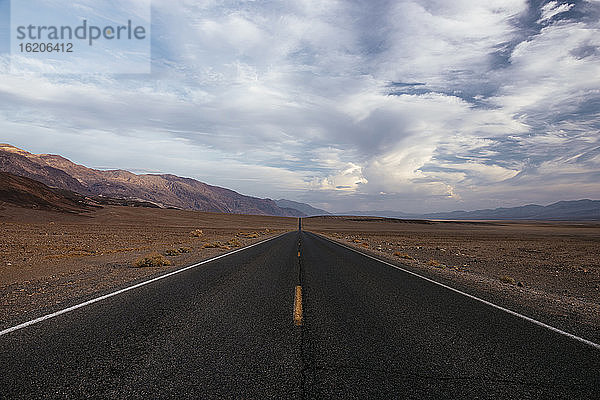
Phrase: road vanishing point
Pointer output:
(293, 317)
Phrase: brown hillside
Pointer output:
(18, 162)
(165, 190)
(27, 193)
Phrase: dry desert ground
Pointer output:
(547, 270)
(49, 259)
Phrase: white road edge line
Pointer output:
(539, 323)
(109, 295)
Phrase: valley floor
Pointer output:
(546, 270)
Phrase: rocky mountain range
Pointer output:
(163, 190)
(306, 209)
(575, 210)
(55, 182)
(28, 193)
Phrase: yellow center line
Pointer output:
(298, 307)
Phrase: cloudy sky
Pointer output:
(414, 106)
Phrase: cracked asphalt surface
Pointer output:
(225, 330)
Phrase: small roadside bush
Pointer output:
(171, 252)
(248, 235)
(234, 243)
(196, 233)
(435, 263)
(403, 255)
(507, 279)
(216, 245)
(176, 252)
(152, 260)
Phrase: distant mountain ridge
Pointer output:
(121, 187)
(163, 190)
(575, 210)
(383, 214)
(306, 209)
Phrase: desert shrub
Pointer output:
(171, 252)
(403, 255)
(248, 235)
(507, 279)
(234, 243)
(152, 260)
(176, 252)
(216, 245)
(196, 233)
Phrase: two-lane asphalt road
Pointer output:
(229, 329)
